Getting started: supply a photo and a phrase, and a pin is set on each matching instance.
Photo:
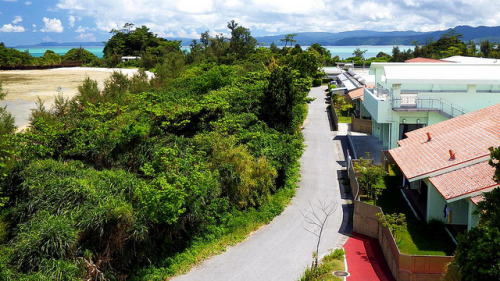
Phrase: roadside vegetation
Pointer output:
(145, 178)
(327, 266)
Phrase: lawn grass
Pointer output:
(329, 264)
(344, 119)
(419, 237)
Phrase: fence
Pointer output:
(361, 125)
(412, 102)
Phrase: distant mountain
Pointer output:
(62, 44)
(367, 37)
(347, 38)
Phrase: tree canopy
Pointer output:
(478, 251)
(120, 182)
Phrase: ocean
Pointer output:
(37, 51)
(342, 51)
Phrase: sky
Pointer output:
(31, 22)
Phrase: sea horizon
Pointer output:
(342, 51)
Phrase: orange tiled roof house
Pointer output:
(446, 165)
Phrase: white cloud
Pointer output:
(17, 19)
(11, 28)
(81, 29)
(71, 21)
(52, 25)
(47, 39)
(168, 17)
(87, 37)
(27, 3)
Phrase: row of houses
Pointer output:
(437, 119)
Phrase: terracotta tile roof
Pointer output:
(464, 181)
(356, 94)
(469, 136)
(426, 60)
(477, 199)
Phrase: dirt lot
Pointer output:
(23, 87)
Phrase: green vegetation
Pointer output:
(417, 237)
(478, 251)
(145, 178)
(342, 107)
(370, 177)
(12, 58)
(329, 264)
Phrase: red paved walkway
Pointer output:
(365, 260)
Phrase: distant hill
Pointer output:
(62, 44)
(366, 37)
(347, 38)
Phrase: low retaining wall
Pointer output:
(335, 118)
(404, 267)
(361, 125)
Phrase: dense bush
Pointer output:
(317, 82)
(131, 179)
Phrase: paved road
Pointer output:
(283, 249)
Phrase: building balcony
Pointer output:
(411, 102)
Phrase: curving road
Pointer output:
(283, 249)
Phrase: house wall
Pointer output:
(435, 204)
(473, 220)
(459, 211)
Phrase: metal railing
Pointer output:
(412, 102)
(380, 92)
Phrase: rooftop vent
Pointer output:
(452, 155)
(429, 138)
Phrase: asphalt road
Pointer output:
(283, 249)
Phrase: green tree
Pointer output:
(280, 99)
(394, 222)
(51, 58)
(495, 162)
(359, 53)
(241, 43)
(478, 250)
(289, 39)
(7, 128)
(82, 55)
(370, 177)
(485, 47)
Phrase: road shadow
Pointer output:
(345, 148)
(346, 226)
(330, 120)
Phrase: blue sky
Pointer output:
(35, 21)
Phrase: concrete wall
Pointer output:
(404, 267)
(335, 118)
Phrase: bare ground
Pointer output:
(24, 87)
